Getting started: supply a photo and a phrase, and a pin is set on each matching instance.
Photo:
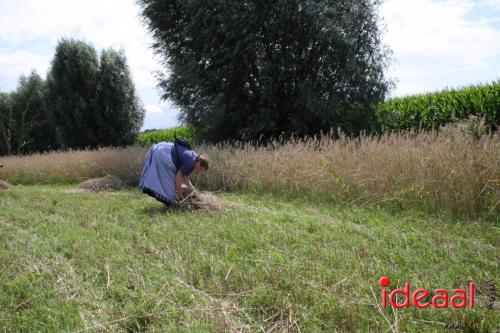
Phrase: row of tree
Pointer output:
(86, 101)
(246, 69)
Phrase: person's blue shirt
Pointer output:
(184, 159)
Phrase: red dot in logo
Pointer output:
(384, 281)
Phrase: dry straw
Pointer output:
(5, 186)
(104, 184)
(438, 172)
(75, 166)
(200, 200)
(426, 170)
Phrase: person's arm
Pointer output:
(188, 159)
(180, 180)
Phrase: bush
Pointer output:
(147, 138)
(433, 110)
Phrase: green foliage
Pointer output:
(246, 69)
(72, 94)
(84, 103)
(93, 103)
(149, 137)
(6, 107)
(32, 130)
(24, 122)
(121, 114)
(433, 110)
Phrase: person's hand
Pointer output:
(186, 191)
(178, 195)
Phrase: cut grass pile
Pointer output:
(120, 262)
(200, 200)
(5, 186)
(104, 184)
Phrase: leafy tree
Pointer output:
(72, 94)
(121, 113)
(93, 103)
(6, 107)
(242, 69)
(31, 129)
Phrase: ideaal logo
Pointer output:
(460, 298)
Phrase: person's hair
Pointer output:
(204, 161)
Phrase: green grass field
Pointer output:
(120, 262)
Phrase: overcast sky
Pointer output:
(436, 43)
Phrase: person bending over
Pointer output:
(165, 175)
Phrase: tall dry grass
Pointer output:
(439, 173)
(74, 166)
(449, 173)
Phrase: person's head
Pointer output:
(202, 163)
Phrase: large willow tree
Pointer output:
(242, 69)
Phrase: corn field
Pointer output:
(148, 138)
(433, 110)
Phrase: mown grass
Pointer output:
(120, 262)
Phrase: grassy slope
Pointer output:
(119, 262)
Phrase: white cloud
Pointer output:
(163, 115)
(103, 23)
(15, 63)
(435, 39)
(153, 108)
(30, 19)
(439, 29)
(495, 4)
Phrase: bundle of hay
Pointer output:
(5, 186)
(105, 184)
(200, 200)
